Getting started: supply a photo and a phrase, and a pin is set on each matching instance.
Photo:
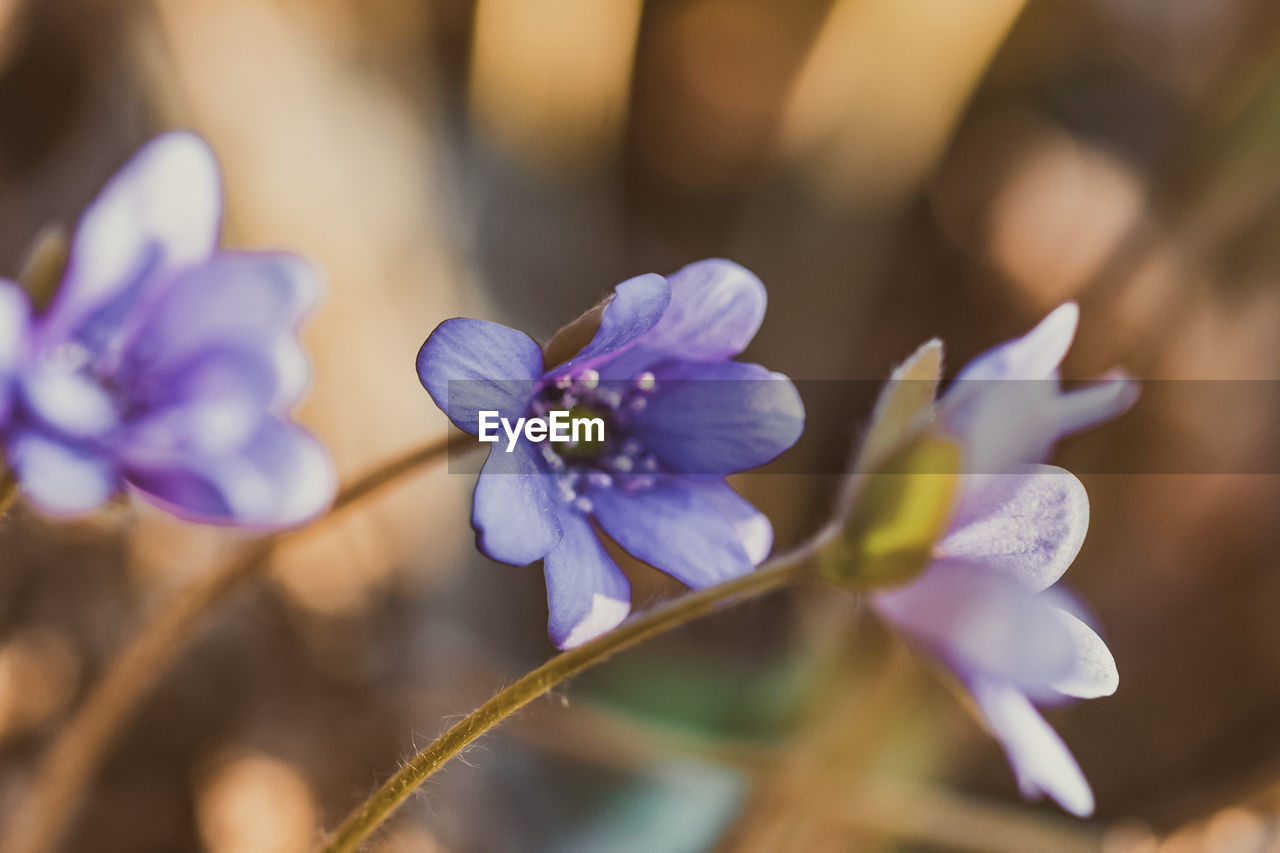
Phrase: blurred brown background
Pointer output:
(893, 170)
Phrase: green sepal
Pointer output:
(898, 513)
(44, 264)
(905, 406)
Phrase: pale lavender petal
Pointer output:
(1028, 526)
(1040, 760)
(159, 213)
(1082, 408)
(1093, 673)
(211, 405)
(515, 512)
(282, 476)
(587, 594)
(751, 525)
(673, 528)
(472, 365)
(1001, 424)
(716, 308)
(244, 300)
(982, 623)
(297, 468)
(635, 307)
(68, 402)
(15, 324)
(1007, 405)
(58, 478)
(1035, 355)
(1006, 424)
(720, 417)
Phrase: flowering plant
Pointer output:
(984, 602)
(680, 415)
(164, 363)
(169, 365)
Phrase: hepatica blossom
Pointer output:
(678, 415)
(164, 362)
(987, 606)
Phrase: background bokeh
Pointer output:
(893, 170)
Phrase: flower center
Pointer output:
(620, 460)
(589, 445)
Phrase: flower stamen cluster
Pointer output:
(678, 416)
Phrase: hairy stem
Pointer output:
(40, 824)
(374, 811)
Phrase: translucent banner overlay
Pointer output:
(700, 426)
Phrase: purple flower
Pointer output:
(164, 362)
(986, 606)
(678, 414)
(1008, 408)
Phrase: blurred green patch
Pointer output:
(707, 697)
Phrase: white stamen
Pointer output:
(565, 485)
(552, 458)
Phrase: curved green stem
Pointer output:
(374, 811)
(40, 824)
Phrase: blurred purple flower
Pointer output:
(680, 415)
(986, 606)
(164, 362)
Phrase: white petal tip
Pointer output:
(1064, 318)
(314, 488)
(756, 535)
(182, 147)
(1076, 799)
(1079, 802)
(59, 481)
(1109, 398)
(1053, 336)
(605, 615)
(1125, 388)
